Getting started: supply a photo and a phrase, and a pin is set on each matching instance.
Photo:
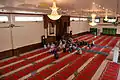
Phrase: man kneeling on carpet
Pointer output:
(52, 48)
(79, 51)
(92, 44)
(56, 55)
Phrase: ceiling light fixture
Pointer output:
(93, 15)
(54, 14)
(106, 15)
(93, 20)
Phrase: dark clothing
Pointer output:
(70, 50)
(64, 49)
(88, 45)
(92, 45)
(71, 34)
(56, 56)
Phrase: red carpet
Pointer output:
(18, 65)
(85, 38)
(21, 57)
(47, 72)
(106, 41)
(82, 37)
(91, 68)
(32, 68)
(113, 43)
(101, 39)
(110, 72)
(64, 74)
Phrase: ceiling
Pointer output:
(67, 7)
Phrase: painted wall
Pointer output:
(28, 33)
(79, 26)
(5, 40)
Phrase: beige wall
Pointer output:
(118, 29)
(5, 40)
(29, 33)
(79, 26)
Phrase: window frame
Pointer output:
(38, 18)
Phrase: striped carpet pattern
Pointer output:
(110, 72)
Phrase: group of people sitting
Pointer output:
(82, 43)
(66, 46)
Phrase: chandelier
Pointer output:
(93, 23)
(54, 14)
(106, 15)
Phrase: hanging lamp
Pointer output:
(54, 14)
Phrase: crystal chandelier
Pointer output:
(106, 15)
(54, 14)
(93, 20)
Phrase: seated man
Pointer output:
(64, 47)
(45, 47)
(70, 48)
(71, 40)
(82, 42)
(77, 42)
(48, 45)
(60, 44)
(52, 48)
(85, 43)
(52, 44)
(88, 45)
(92, 44)
(74, 46)
(79, 51)
(56, 55)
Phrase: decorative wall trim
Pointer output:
(21, 50)
(117, 35)
(107, 24)
(20, 13)
(6, 54)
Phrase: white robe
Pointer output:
(116, 54)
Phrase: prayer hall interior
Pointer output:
(59, 39)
